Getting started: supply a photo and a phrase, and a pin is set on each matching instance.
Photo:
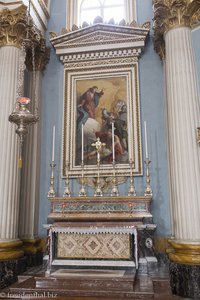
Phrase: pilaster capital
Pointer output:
(169, 14)
(42, 55)
(15, 27)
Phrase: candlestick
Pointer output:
(145, 138)
(98, 145)
(82, 192)
(51, 192)
(53, 143)
(114, 191)
(67, 192)
(113, 141)
(148, 190)
(131, 191)
(82, 144)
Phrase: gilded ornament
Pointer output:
(146, 25)
(15, 25)
(169, 14)
(31, 245)
(11, 250)
(134, 24)
(74, 27)
(52, 34)
(64, 31)
(42, 56)
(184, 253)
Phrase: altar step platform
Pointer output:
(91, 284)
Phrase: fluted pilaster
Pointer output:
(173, 20)
(31, 170)
(183, 119)
(15, 26)
(9, 172)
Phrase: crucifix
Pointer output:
(98, 145)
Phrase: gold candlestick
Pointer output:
(67, 192)
(148, 190)
(114, 191)
(82, 192)
(98, 145)
(51, 192)
(131, 191)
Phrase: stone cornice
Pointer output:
(15, 26)
(101, 41)
(169, 14)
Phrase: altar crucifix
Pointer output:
(98, 145)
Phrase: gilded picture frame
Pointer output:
(94, 98)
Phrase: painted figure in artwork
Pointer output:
(96, 108)
(87, 105)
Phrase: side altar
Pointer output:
(101, 140)
(101, 232)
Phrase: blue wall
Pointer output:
(152, 110)
(52, 104)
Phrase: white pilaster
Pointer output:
(183, 115)
(29, 205)
(9, 172)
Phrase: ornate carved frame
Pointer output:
(130, 73)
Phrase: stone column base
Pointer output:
(185, 268)
(10, 269)
(33, 251)
(185, 280)
(11, 250)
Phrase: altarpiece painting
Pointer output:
(94, 98)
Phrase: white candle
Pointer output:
(113, 141)
(53, 143)
(145, 138)
(82, 144)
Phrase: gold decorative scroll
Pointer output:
(172, 13)
(13, 26)
(13, 31)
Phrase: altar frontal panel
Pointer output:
(93, 246)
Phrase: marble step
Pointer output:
(125, 287)
(86, 279)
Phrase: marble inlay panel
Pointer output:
(88, 246)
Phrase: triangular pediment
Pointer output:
(99, 35)
(99, 38)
